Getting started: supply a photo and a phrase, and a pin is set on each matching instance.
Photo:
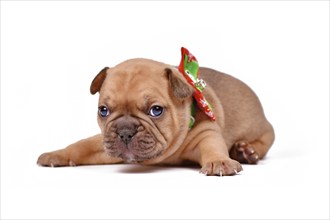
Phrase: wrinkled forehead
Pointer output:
(135, 82)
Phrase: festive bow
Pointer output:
(189, 68)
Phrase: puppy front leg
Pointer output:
(212, 154)
(215, 160)
(84, 152)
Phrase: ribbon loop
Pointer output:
(189, 67)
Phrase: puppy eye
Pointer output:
(156, 111)
(103, 111)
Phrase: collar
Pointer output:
(189, 68)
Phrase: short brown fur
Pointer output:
(134, 88)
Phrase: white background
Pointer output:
(51, 51)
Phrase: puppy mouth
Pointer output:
(128, 157)
(136, 151)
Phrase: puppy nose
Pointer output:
(126, 135)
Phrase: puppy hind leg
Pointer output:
(251, 152)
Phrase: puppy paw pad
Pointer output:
(244, 153)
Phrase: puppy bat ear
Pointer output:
(180, 87)
(98, 81)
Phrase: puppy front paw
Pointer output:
(224, 167)
(54, 159)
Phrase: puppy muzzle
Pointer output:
(126, 138)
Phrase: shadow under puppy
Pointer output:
(145, 112)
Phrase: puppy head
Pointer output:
(144, 110)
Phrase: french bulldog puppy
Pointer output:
(145, 114)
